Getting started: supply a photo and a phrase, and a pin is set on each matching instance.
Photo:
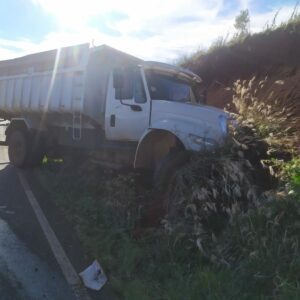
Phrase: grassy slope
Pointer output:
(262, 245)
(254, 256)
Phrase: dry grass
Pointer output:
(272, 120)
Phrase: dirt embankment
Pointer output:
(275, 54)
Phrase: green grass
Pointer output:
(255, 257)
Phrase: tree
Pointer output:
(242, 23)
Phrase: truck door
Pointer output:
(127, 109)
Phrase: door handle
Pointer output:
(112, 120)
(135, 107)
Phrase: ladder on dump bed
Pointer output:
(77, 126)
(78, 97)
(77, 104)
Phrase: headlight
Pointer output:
(201, 140)
(196, 139)
(223, 122)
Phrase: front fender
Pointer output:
(193, 135)
(187, 132)
(148, 151)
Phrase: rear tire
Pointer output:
(18, 148)
(25, 150)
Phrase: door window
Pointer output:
(127, 75)
(132, 86)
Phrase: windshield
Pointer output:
(166, 87)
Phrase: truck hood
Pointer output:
(187, 119)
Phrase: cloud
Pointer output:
(152, 30)
(261, 20)
(156, 30)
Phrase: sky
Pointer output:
(162, 30)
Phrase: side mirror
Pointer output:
(118, 79)
(203, 97)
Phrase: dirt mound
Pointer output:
(274, 54)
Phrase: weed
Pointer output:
(274, 123)
(294, 19)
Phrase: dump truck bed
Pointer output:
(51, 81)
(69, 80)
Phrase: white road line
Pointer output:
(57, 249)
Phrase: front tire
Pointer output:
(167, 167)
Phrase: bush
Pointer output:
(206, 192)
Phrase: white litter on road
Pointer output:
(93, 276)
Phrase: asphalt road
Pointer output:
(28, 269)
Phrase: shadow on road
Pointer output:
(28, 269)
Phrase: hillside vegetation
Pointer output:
(271, 54)
(232, 225)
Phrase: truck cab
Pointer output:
(161, 107)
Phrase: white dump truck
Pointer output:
(127, 111)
